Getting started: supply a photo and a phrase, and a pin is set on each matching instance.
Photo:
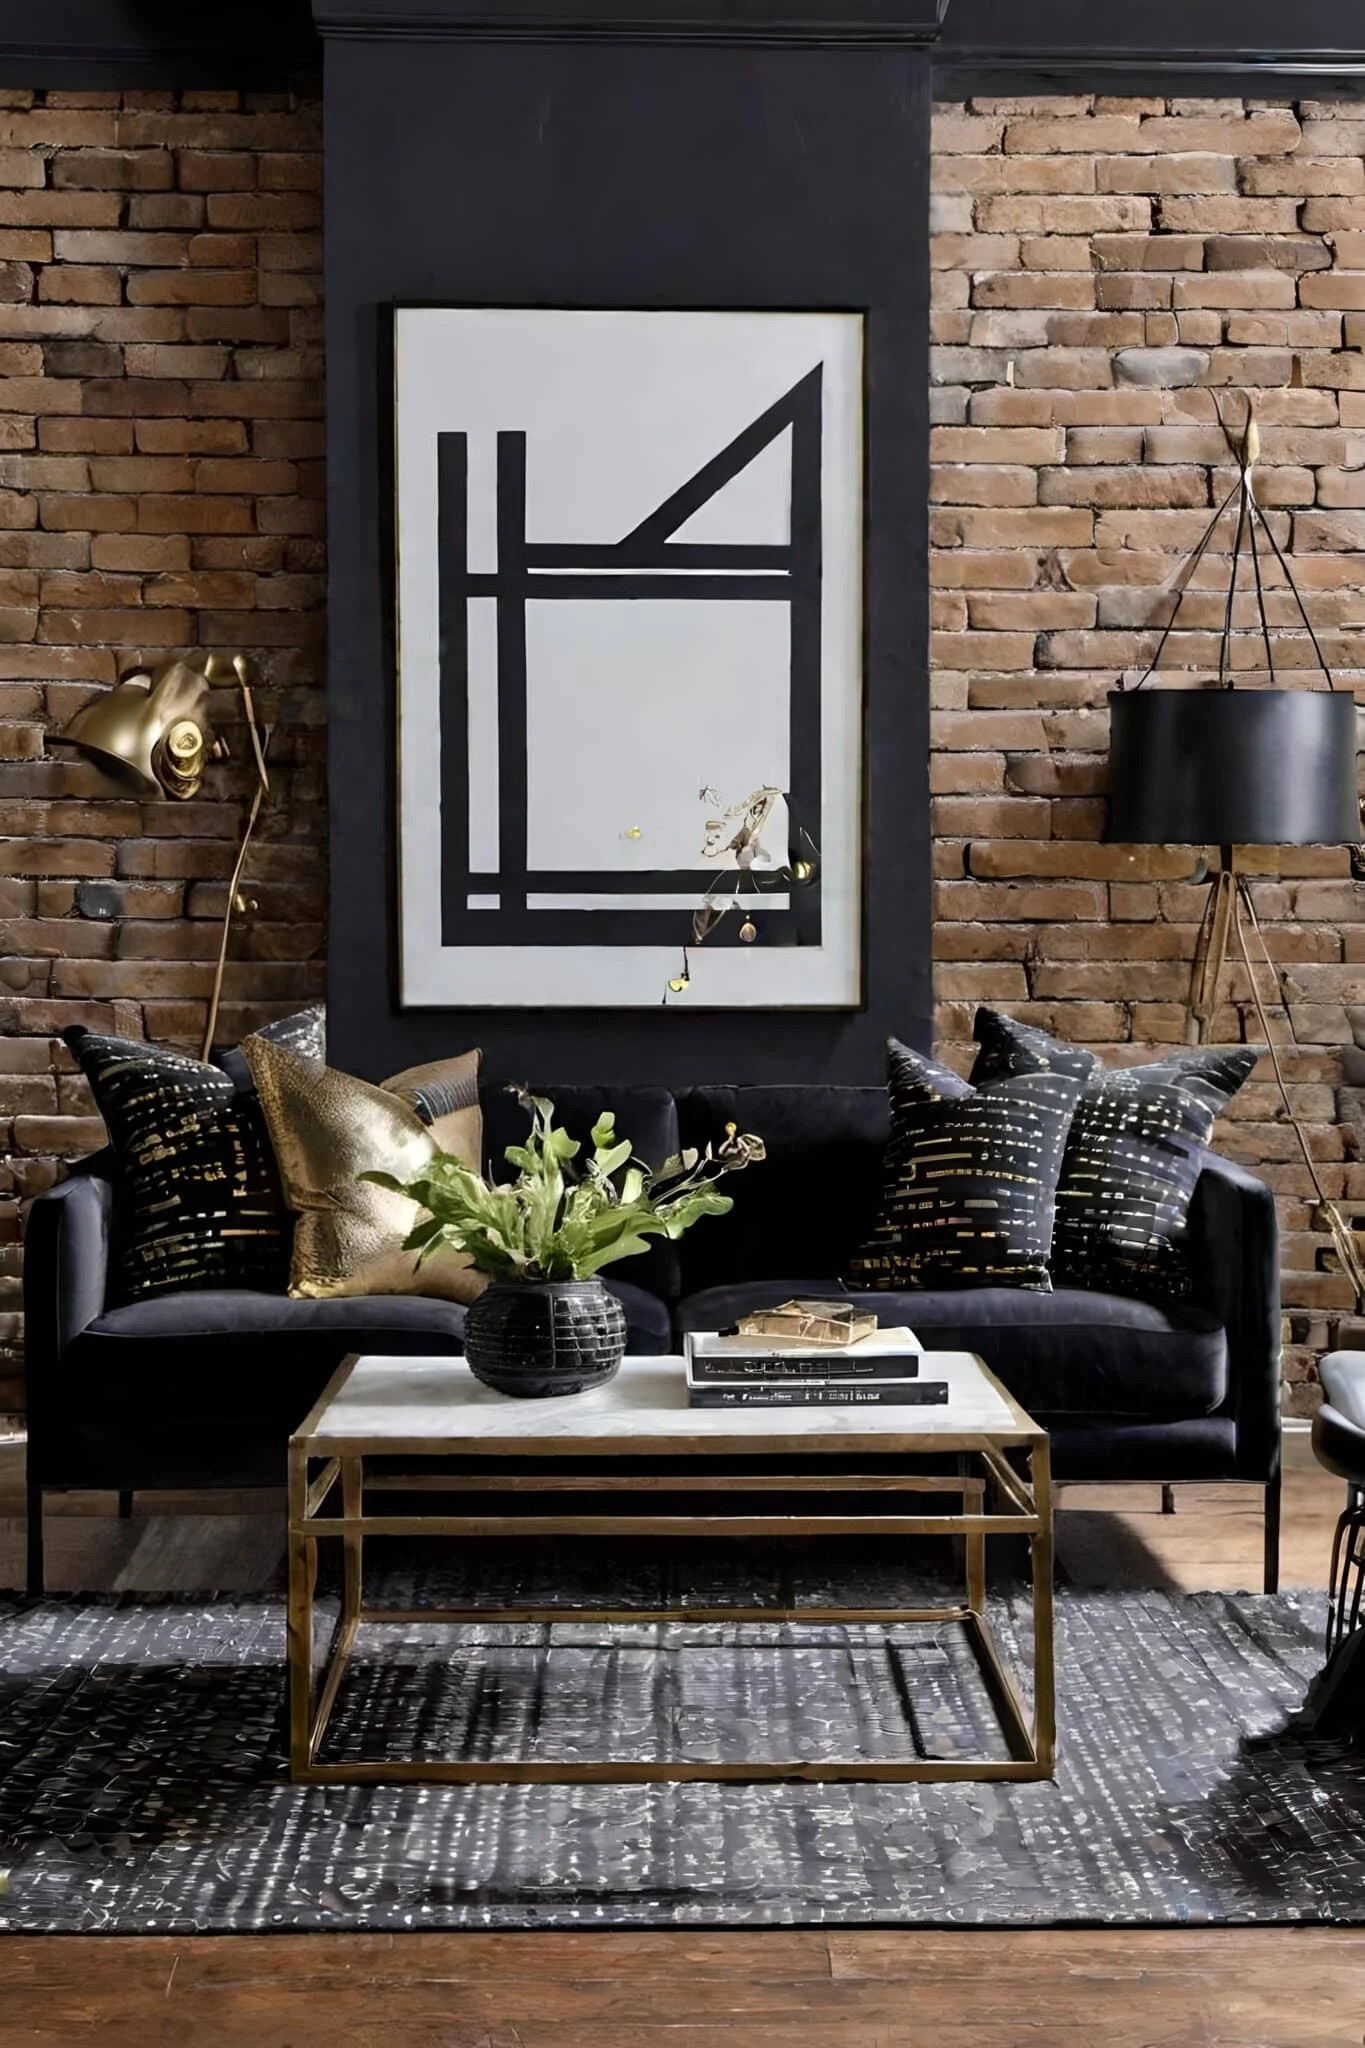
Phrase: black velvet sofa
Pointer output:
(203, 1389)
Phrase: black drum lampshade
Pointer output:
(1222, 767)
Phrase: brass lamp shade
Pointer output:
(150, 734)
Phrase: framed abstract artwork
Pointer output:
(630, 658)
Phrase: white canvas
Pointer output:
(551, 771)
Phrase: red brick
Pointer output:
(80, 284)
(59, 209)
(140, 552)
(156, 513)
(215, 171)
(66, 434)
(180, 212)
(191, 288)
(154, 629)
(141, 170)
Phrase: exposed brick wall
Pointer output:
(160, 489)
(1103, 268)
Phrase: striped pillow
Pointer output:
(970, 1179)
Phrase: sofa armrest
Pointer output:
(1235, 1250)
(66, 1269)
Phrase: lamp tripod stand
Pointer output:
(1229, 917)
(1251, 767)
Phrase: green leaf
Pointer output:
(551, 1224)
(607, 1162)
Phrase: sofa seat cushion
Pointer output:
(407, 1325)
(206, 1388)
(1066, 1353)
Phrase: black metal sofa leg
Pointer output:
(35, 1542)
(125, 1506)
(1272, 1535)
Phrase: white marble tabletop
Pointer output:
(415, 1404)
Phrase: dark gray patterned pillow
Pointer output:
(970, 1179)
(1009, 1048)
(197, 1198)
(1133, 1157)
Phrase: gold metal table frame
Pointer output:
(997, 1499)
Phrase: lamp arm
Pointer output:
(259, 743)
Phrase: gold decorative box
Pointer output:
(810, 1322)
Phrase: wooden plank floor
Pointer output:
(1277, 1988)
(1131, 1988)
(1106, 1536)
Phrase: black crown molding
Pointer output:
(961, 71)
(756, 23)
(1207, 47)
(94, 44)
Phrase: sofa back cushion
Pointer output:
(813, 1200)
(647, 1116)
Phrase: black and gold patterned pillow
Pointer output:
(970, 1179)
(197, 1196)
(1133, 1156)
(1008, 1047)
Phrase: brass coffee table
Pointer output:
(512, 1465)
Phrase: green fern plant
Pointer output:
(565, 1216)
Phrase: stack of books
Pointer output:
(743, 1371)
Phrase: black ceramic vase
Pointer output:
(544, 1337)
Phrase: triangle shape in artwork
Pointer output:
(793, 420)
(754, 508)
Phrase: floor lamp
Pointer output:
(1227, 767)
(151, 736)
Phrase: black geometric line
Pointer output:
(578, 589)
(608, 928)
(807, 520)
(509, 588)
(452, 557)
(674, 554)
(611, 881)
(713, 475)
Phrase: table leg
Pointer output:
(974, 1503)
(1044, 1670)
(976, 1574)
(299, 1624)
(353, 1545)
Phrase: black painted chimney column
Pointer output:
(742, 154)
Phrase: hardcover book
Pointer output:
(820, 1394)
(714, 1359)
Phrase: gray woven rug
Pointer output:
(142, 1784)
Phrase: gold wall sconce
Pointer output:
(152, 736)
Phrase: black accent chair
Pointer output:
(195, 1390)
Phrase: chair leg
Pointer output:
(1272, 1534)
(125, 1505)
(35, 1543)
(1168, 1500)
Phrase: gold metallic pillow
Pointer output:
(445, 1095)
(327, 1129)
